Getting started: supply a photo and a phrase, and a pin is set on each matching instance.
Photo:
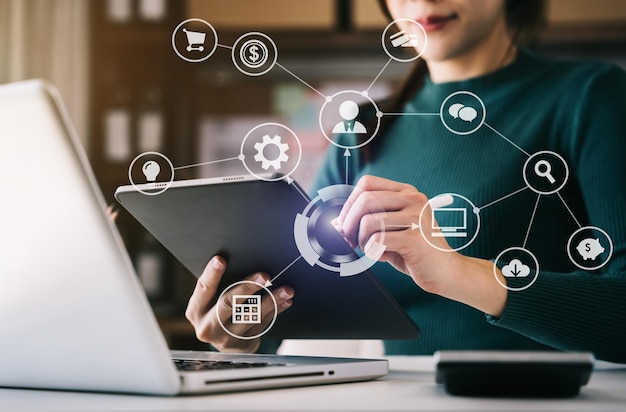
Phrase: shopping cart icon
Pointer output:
(195, 39)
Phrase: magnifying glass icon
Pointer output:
(546, 172)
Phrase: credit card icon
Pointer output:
(402, 39)
(399, 38)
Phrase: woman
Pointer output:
(533, 105)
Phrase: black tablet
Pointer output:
(250, 222)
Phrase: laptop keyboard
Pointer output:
(187, 365)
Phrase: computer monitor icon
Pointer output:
(449, 222)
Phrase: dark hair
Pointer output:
(524, 19)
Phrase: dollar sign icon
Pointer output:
(587, 247)
(254, 54)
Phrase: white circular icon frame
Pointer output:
(242, 38)
(391, 56)
(132, 182)
(243, 157)
(527, 163)
(258, 335)
(475, 211)
(187, 59)
(465, 92)
(569, 247)
(362, 94)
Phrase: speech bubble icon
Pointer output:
(468, 114)
(454, 109)
(590, 248)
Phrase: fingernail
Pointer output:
(285, 294)
(337, 225)
(260, 279)
(217, 264)
(441, 201)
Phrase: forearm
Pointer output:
(475, 285)
(573, 311)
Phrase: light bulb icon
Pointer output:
(151, 170)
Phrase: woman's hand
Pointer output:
(203, 309)
(378, 203)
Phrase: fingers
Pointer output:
(369, 204)
(364, 211)
(238, 297)
(283, 297)
(369, 184)
(203, 294)
(213, 319)
(112, 212)
(243, 320)
(371, 224)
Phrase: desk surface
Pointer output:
(409, 386)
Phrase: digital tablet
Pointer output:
(250, 222)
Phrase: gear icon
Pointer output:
(282, 149)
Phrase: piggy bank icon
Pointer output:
(590, 248)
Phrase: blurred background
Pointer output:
(128, 92)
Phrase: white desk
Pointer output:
(409, 386)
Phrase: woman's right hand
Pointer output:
(203, 309)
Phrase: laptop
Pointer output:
(73, 313)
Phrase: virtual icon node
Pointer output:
(450, 216)
(519, 267)
(254, 54)
(279, 156)
(246, 309)
(271, 147)
(341, 115)
(194, 40)
(463, 113)
(546, 172)
(154, 176)
(151, 170)
(321, 244)
(249, 309)
(348, 111)
(404, 40)
(515, 269)
(590, 248)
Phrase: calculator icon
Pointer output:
(246, 309)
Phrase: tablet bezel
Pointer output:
(325, 304)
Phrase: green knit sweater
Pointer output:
(577, 110)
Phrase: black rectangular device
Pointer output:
(545, 374)
(250, 222)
